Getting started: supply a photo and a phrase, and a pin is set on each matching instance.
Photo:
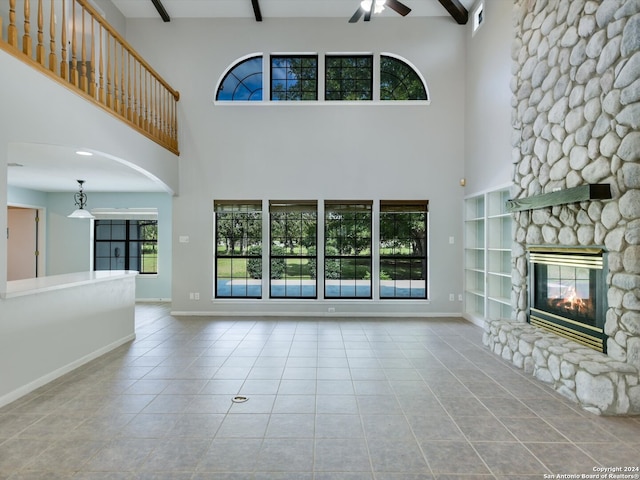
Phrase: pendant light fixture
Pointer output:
(80, 199)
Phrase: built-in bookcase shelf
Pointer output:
(487, 256)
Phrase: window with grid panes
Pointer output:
(347, 250)
(399, 81)
(293, 260)
(294, 77)
(126, 245)
(349, 77)
(243, 82)
(238, 249)
(403, 249)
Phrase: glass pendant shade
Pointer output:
(80, 213)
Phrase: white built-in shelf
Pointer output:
(487, 258)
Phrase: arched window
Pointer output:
(243, 81)
(400, 81)
(347, 77)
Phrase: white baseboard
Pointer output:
(347, 314)
(31, 386)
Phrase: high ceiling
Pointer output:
(53, 168)
(275, 8)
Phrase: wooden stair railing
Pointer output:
(95, 61)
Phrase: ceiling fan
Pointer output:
(367, 7)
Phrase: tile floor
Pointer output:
(328, 399)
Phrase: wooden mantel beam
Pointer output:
(582, 193)
(456, 10)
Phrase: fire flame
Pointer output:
(570, 300)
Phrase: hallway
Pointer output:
(326, 399)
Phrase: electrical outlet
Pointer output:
(452, 240)
(459, 297)
(452, 297)
(331, 310)
(196, 296)
(190, 295)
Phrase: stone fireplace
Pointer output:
(576, 122)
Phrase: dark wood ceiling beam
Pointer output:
(161, 10)
(456, 10)
(256, 10)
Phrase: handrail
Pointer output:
(123, 83)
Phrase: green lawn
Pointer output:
(149, 262)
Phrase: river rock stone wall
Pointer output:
(576, 120)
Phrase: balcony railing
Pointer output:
(69, 40)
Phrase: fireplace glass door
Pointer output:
(567, 293)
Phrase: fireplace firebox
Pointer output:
(567, 292)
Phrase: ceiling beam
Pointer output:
(256, 10)
(161, 11)
(456, 10)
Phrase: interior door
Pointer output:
(22, 243)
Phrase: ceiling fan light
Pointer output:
(366, 5)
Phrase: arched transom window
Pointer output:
(362, 78)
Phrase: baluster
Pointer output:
(53, 61)
(12, 31)
(158, 107)
(101, 68)
(92, 63)
(129, 100)
(171, 122)
(40, 45)
(122, 88)
(163, 100)
(74, 59)
(26, 38)
(109, 89)
(64, 66)
(135, 117)
(147, 106)
(83, 55)
(116, 92)
(141, 99)
(154, 104)
(154, 112)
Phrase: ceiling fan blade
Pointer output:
(356, 16)
(398, 7)
(367, 13)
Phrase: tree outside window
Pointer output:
(403, 249)
(238, 249)
(349, 77)
(347, 249)
(294, 77)
(399, 81)
(293, 261)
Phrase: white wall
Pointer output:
(312, 151)
(488, 159)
